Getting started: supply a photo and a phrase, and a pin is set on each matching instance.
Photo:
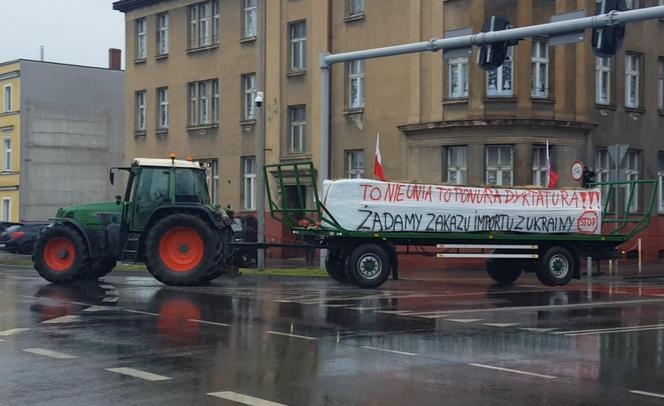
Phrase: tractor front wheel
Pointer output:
(181, 249)
(60, 255)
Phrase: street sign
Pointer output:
(570, 37)
(577, 170)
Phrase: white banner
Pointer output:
(369, 205)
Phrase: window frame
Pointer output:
(248, 182)
(660, 81)
(141, 26)
(200, 103)
(499, 168)
(249, 27)
(141, 110)
(500, 77)
(462, 74)
(354, 166)
(249, 96)
(7, 213)
(630, 73)
(162, 34)
(355, 8)
(355, 76)
(660, 178)
(539, 169)
(203, 30)
(297, 46)
(7, 153)
(603, 73)
(299, 127)
(7, 95)
(455, 169)
(633, 172)
(162, 108)
(536, 61)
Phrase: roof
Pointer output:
(178, 163)
(129, 5)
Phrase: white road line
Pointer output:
(112, 299)
(63, 319)
(368, 347)
(625, 330)
(516, 371)
(597, 330)
(107, 287)
(290, 335)
(95, 308)
(244, 399)
(140, 312)
(12, 332)
(463, 320)
(137, 373)
(501, 325)
(1, 340)
(209, 322)
(651, 394)
(49, 353)
(361, 309)
(537, 330)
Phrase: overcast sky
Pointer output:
(72, 31)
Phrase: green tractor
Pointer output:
(164, 220)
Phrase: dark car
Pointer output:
(20, 238)
(4, 225)
(245, 229)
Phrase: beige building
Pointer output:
(190, 80)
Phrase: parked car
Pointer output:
(20, 238)
(245, 229)
(4, 225)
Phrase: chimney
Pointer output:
(114, 59)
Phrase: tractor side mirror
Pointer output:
(118, 199)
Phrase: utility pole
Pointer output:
(260, 143)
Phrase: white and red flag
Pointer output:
(378, 161)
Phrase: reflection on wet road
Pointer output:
(311, 341)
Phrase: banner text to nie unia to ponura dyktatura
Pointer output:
(373, 206)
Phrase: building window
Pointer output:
(249, 183)
(632, 80)
(602, 166)
(632, 169)
(355, 84)
(211, 167)
(499, 165)
(660, 83)
(204, 24)
(141, 39)
(354, 7)
(7, 99)
(539, 166)
(297, 123)
(632, 4)
(162, 113)
(6, 209)
(249, 18)
(457, 165)
(458, 82)
(297, 33)
(203, 102)
(603, 80)
(539, 75)
(7, 154)
(355, 164)
(249, 96)
(141, 107)
(660, 178)
(162, 34)
(499, 82)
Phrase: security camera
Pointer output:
(259, 99)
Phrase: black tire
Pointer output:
(504, 271)
(369, 265)
(335, 265)
(56, 269)
(101, 267)
(556, 267)
(27, 248)
(198, 271)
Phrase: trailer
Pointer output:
(368, 258)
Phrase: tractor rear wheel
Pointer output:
(181, 250)
(60, 255)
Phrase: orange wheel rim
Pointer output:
(181, 249)
(59, 254)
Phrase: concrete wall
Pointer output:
(72, 132)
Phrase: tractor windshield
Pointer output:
(191, 186)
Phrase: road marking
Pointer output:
(137, 373)
(463, 320)
(49, 353)
(290, 335)
(537, 330)
(107, 287)
(209, 322)
(63, 319)
(501, 325)
(651, 394)
(368, 347)
(12, 332)
(244, 399)
(113, 299)
(624, 330)
(361, 309)
(599, 330)
(516, 371)
(140, 312)
(95, 308)
(1, 340)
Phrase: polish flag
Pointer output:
(551, 175)
(378, 161)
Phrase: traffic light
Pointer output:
(492, 56)
(607, 41)
(588, 177)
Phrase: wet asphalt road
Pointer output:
(310, 341)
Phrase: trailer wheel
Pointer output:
(556, 267)
(180, 250)
(504, 271)
(60, 255)
(335, 265)
(369, 265)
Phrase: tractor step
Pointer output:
(131, 248)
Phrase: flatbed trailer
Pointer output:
(368, 258)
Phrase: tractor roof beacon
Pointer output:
(165, 219)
